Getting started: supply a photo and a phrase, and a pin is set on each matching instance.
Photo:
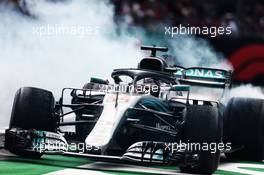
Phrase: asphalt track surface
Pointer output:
(63, 165)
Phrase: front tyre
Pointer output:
(203, 126)
(32, 110)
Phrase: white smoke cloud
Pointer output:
(246, 90)
(56, 61)
(192, 51)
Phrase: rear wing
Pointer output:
(209, 77)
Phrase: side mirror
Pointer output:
(98, 81)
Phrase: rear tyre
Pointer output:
(244, 128)
(203, 126)
(32, 109)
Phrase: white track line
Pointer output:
(236, 168)
(70, 171)
(112, 167)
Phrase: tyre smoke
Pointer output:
(86, 45)
(193, 51)
(246, 90)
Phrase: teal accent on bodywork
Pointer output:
(98, 81)
(38, 143)
(154, 104)
(180, 88)
(158, 155)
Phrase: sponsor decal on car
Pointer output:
(203, 73)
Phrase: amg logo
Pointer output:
(163, 127)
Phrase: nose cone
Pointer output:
(102, 132)
(110, 120)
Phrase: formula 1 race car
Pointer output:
(157, 113)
